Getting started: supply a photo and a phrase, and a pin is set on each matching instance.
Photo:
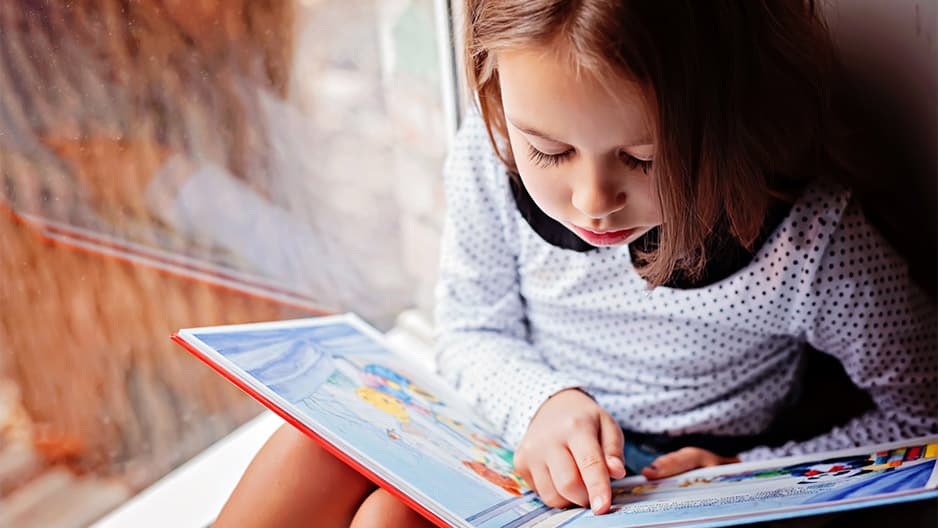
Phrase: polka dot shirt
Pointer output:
(519, 319)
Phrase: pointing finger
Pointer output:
(591, 462)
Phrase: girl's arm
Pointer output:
(482, 345)
(865, 311)
(569, 452)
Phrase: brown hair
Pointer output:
(741, 89)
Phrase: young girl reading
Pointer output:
(644, 232)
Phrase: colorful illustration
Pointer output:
(714, 494)
(342, 380)
(407, 427)
(509, 482)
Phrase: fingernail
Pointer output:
(616, 467)
(596, 503)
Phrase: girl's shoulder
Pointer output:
(812, 220)
(471, 153)
(826, 234)
(821, 205)
(475, 181)
(472, 143)
(472, 170)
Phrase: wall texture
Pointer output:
(889, 50)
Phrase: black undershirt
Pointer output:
(726, 255)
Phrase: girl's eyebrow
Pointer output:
(643, 140)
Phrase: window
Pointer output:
(169, 164)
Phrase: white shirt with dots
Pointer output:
(519, 319)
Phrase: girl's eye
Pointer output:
(545, 160)
(635, 163)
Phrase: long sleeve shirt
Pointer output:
(520, 319)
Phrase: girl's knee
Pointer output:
(381, 509)
(305, 454)
(292, 480)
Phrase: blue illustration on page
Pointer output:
(395, 414)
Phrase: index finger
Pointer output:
(591, 461)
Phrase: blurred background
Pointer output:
(168, 164)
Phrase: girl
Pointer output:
(644, 233)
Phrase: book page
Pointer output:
(336, 377)
(739, 493)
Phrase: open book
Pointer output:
(402, 427)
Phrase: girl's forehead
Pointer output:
(546, 91)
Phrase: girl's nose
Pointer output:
(599, 193)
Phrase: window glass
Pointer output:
(169, 164)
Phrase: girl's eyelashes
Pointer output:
(636, 163)
(544, 160)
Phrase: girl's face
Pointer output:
(584, 156)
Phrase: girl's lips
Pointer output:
(605, 238)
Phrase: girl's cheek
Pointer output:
(545, 188)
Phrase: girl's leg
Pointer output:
(294, 482)
(383, 510)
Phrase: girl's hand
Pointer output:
(570, 450)
(683, 460)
